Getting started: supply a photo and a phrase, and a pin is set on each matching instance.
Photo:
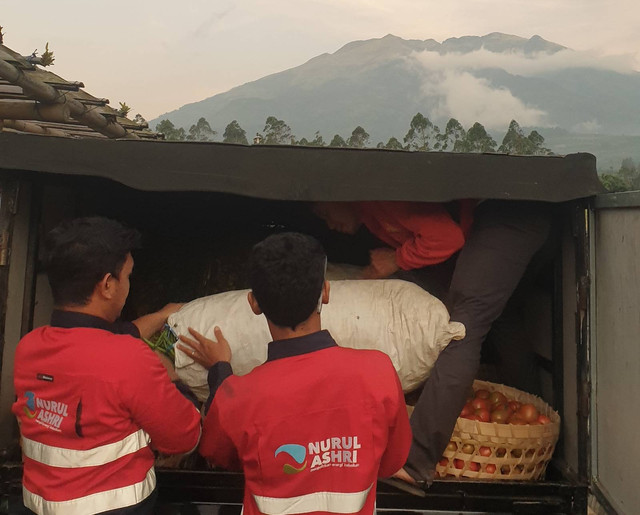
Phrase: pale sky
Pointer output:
(159, 55)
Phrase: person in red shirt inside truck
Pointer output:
(480, 260)
(316, 424)
(417, 234)
(92, 398)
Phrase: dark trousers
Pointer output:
(504, 238)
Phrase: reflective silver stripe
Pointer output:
(330, 502)
(94, 503)
(71, 458)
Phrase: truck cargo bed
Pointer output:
(220, 493)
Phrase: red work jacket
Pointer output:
(90, 405)
(422, 233)
(312, 428)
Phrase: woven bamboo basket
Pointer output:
(519, 452)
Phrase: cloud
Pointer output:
(517, 63)
(459, 94)
(588, 127)
(470, 99)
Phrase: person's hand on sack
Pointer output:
(204, 351)
(383, 264)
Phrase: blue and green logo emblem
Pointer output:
(299, 455)
(30, 408)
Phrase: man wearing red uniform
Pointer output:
(485, 255)
(92, 398)
(418, 234)
(316, 425)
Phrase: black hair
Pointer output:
(80, 252)
(286, 274)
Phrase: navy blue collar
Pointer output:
(72, 319)
(301, 345)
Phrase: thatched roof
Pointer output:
(34, 100)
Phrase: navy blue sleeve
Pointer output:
(217, 374)
(187, 393)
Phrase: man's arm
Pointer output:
(217, 446)
(436, 237)
(150, 324)
(399, 437)
(172, 422)
(214, 355)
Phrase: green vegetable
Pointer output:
(164, 342)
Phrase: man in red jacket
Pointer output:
(92, 398)
(417, 234)
(496, 242)
(316, 425)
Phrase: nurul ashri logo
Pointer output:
(297, 452)
(30, 408)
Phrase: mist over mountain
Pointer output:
(380, 84)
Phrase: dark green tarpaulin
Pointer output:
(305, 173)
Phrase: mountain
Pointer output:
(380, 84)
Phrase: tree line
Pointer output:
(422, 135)
(627, 178)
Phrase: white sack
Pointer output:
(396, 317)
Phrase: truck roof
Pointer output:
(298, 173)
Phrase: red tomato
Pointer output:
(443, 462)
(514, 405)
(459, 464)
(543, 419)
(499, 406)
(490, 468)
(473, 466)
(517, 420)
(466, 410)
(484, 414)
(528, 412)
(482, 394)
(484, 451)
(479, 404)
(467, 448)
(497, 398)
(501, 416)
(473, 417)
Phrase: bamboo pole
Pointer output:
(48, 94)
(33, 128)
(59, 113)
